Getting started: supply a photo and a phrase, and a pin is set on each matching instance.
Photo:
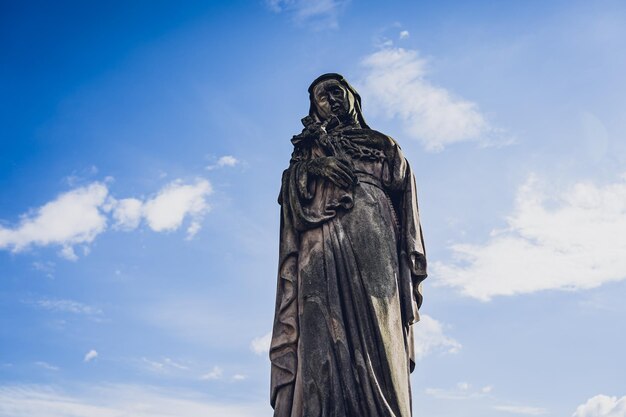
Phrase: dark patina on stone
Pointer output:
(351, 264)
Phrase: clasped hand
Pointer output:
(336, 170)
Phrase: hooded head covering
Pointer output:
(313, 112)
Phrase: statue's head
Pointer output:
(331, 95)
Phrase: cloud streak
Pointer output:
(215, 373)
(65, 306)
(569, 240)
(462, 391)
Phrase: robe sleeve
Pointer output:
(398, 178)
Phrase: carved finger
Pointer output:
(345, 173)
(338, 172)
(344, 165)
(337, 180)
(347, 177)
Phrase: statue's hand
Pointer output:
(334, 169)
(368, 138)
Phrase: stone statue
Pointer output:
(350, 266)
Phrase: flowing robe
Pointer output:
(350, 267)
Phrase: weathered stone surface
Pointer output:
(351, 262)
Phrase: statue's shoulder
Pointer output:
(374, 132)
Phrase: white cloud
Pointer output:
(573, 240)
(127, 213)
(240, 377)
(167, 210)
(227, 161)
(394, 85)
(261, 345)
(602, 406)
(117, 401)
(91, 355)
(215, 373)
(224, 161)
(521, 409)
(430, 338)
(320, 14)
(74, 217)
(404, 34)
(78, 216)
(65, 306)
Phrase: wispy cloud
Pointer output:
(430, 338)
(164, 366)
(47, 366)
(186, 370)
(462, 391)
(566, 240)
(116, 401)
(395, 85)
(78, 216)
(46, 268)
(65, 306)
(319, 14)
(215, 373)
(521, 409)
(602, 406)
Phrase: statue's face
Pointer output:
(331, 99)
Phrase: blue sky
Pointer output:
(141, 148)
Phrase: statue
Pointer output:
(350, 267)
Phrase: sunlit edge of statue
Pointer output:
(351, 263)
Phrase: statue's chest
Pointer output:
(342, 147)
